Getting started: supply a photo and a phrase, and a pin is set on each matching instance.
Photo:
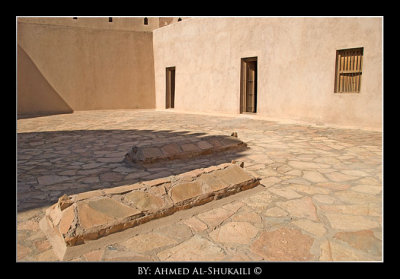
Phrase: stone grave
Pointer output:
(183, 149)
(81, 218)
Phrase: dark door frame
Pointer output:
(170, 87)
(244, 66)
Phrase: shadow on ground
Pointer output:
(53, 163)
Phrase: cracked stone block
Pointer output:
(148, 152)
(66, 220)
(80, 218)
(233, 176)
(213, 181)
(112, 208)
(204, 145)
(185, 191)
(145, 201)
(89, 217)
(189, 147)
(171, 149)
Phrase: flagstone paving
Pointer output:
(320, 199)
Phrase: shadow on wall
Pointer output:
(51, 164)
(36, 96)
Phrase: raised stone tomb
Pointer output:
(183, 149)
(79, 218)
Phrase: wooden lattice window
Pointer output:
(348, 70)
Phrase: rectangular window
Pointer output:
(348, 70)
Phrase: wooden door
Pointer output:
(248, 89)
(170, 88)
(251, 86)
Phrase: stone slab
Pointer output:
(183, 149)
(195, 249)
(283, 244)
(185, 191)
(234, 232)
(145, 201)
(81, 218)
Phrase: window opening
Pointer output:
(348, 70)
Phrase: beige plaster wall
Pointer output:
(86, 68)
(296, 66)
(35, 95)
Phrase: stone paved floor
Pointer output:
(321, 200)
